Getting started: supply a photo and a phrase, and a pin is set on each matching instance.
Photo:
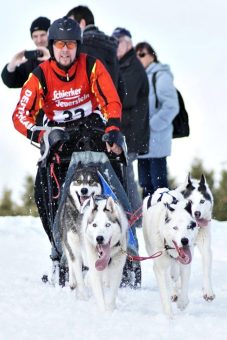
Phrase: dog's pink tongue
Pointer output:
(104, 252)
(202, 222)
(185, 255)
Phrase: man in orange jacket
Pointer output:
(68, 94)
(70, 89)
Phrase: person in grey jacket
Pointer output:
(152, 167)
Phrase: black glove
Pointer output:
(118, 138)
(114, 137)
(58, 137)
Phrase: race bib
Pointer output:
(71, 114)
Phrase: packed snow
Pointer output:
(32, 310)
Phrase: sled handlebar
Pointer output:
(47, 130)
(47, 145)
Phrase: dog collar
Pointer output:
(117, 244)
(167, 247)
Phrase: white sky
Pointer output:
(188, 35)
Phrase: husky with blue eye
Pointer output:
(201, 198)
(96, 237)
(105, 230)
(168, 226)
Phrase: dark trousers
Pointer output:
(152, 174)
(46, 192)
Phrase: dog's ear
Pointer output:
(93, 204)
(188, 207)
(189, 185)
(203, 188)
(90, 202)
(110, 205)
(169, 207)
(202, 183)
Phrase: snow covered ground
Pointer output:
(31, 310)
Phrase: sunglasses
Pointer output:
(142, 54)
(69, 44)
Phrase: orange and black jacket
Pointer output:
(67, 96)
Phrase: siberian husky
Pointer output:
(96, 237)
(105, 238)
(85, 183)
(199, 194)
(168, 226)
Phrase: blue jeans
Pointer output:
(152, 174)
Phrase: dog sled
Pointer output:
(54, 140)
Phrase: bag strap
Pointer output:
(154, 87)
(90, 61)
(38, 72)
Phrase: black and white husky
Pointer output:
(200, 195)
(84, 184)
(94, 234)
(105, 228)
(168, 226)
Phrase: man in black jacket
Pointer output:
(97, 43)
(135, 113)
(16, 72)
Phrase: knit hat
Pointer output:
(40, 24)
(121, 32)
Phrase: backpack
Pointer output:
(181, 121)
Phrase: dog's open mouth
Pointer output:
(184, 254)
(82, 198)
(104, 256)
(202, 222)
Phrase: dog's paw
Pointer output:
(209, 297)
(208, 294)
(72, 286)
(182, 303)
(174, 298)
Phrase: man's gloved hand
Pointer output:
(52, 140)
(57, 136)
(114, 136)
(114, 141)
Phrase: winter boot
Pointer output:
(131, 276)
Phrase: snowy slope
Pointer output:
(31, 310)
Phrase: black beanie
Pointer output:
(40, 24)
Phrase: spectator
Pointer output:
(15, 73)
(152, 167)
(95, 42)
(135, 113)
